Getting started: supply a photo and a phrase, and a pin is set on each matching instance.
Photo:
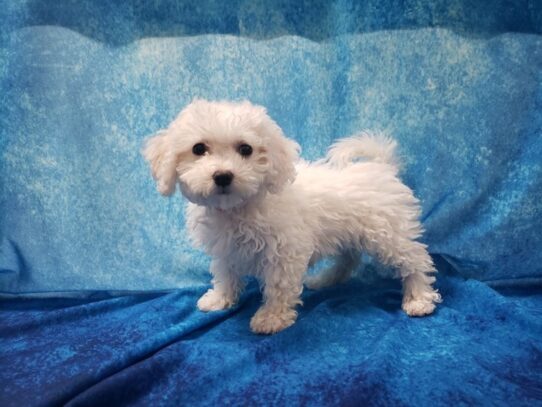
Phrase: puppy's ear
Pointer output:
(282, 155)
(159, 153)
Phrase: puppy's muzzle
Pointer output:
(223, 178)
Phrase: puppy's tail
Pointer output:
(375, 147)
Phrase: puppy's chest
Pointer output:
(235, 237)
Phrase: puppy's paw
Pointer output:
(418, 307)
(214, 301)
(267, 321)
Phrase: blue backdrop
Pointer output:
(82, 84)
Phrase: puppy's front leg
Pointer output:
(226, 287)
(283, 284)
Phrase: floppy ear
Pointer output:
(159, 153)
(282, 155)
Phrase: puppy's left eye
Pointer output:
(245, 150)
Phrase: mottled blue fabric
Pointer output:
(458, 83)
(98, 281)
(352, 345)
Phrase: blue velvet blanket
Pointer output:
(98, 281)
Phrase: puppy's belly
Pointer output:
(244, 265)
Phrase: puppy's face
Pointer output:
(223, 168)
(221, 154)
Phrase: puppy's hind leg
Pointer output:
(340, 272)
(419, 297)
(415, 266)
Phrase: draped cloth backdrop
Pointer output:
(98, 280)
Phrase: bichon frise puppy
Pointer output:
(258, 210)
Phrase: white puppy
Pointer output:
(258, 210)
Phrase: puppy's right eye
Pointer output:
(199, 149)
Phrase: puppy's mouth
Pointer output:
(223, 191)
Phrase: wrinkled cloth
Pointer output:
(352, 345)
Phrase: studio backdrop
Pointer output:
(83, 83)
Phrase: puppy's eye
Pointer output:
(199, 149)
(245, 150)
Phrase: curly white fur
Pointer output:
(279, 214)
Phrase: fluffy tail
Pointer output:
(376, 147)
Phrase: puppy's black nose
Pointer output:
(223, 179)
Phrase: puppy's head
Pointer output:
(222, 154)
